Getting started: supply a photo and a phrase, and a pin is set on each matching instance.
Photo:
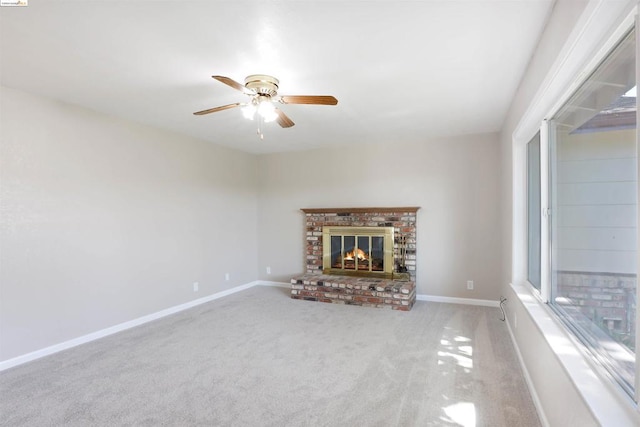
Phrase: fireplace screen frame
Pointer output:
(386, 233)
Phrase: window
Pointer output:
(534, 209)
(593, 222)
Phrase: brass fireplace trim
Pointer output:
(387, 233)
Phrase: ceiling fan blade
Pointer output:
(234, 84)
(283, 120)
(213, 110)
(309, 99)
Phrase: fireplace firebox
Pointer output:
(358, 251)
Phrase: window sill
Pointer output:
(609, 404)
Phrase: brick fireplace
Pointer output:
(354, 277)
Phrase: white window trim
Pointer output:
(591, 39)
(545, 244)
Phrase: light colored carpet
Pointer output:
(258, 358)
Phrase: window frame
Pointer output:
(547, 161)
(539, 219)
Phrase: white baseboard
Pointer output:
(19, 360)
(453, 300)
(276, 284)
(527, 378)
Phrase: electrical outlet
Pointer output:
(268, 270)
(470, 285)
(226, 276)
(195, 286)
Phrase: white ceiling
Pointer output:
(401, 70)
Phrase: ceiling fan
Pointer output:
(263, 91)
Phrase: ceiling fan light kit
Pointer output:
(263, 90)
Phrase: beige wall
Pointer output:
(453, 181)
(104, 221)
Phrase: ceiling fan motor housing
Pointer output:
(262, 84)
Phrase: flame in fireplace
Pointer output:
(356, 253)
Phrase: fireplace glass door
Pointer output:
(358, 250)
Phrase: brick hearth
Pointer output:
(366, 292)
